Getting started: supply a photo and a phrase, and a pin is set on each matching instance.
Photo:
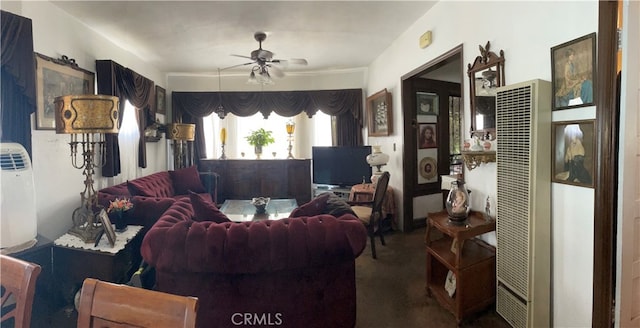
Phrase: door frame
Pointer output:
(408, 101)
(607, 117)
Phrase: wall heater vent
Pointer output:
(523, 128)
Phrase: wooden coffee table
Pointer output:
(243, 211)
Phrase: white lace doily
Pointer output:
(122, 238)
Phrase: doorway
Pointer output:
(428, 94)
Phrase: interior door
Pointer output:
(427, 94)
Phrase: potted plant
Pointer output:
(259, 138)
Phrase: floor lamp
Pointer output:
(87, 118)
(182, 135)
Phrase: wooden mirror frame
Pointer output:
(487, 60)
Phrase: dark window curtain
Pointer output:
(116, 80)
(18, 79)
(346, 105)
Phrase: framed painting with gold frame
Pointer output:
(161, 94)
(380, 116)
(58, 77)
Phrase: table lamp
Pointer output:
(182, 135)
(377, 159)
(87, 118)
(291, 126)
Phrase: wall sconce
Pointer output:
(87, 118)
(182, 135)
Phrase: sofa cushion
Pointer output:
(205, 210)
(147, 210)
(186, 179)
(155, 185)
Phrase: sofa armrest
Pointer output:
(210, 181)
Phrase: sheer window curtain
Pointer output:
(128, 140)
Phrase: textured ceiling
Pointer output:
(200, 36)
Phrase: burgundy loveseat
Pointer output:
(294, 272)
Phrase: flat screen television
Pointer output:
(340, 166)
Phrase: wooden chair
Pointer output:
(370, 213)
(18, 282)
(105, 304)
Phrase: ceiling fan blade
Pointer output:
(298, 61)
(241, 56)
(234, 66)
(276, 71)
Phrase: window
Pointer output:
(308, 132)
(128, 138)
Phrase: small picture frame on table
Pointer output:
(573, 73)
(108, 228)
(573, 152)
(379, 114)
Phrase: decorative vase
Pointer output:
(258, 151)
(118, 218)
(458, 203)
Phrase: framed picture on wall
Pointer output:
(161, 96)
(573, 73)
(573, 152)
(427, 136)
(58, 77)
(379, 113)
(427, 103)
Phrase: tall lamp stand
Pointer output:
(90, 117)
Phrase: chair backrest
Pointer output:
(378, 195)
(18, 282)
(105, 304)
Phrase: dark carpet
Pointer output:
(391, 290)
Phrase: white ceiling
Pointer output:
(200, 36)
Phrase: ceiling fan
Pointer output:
(263, 62)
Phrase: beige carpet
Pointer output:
(390, 290)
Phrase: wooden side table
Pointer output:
(471, 261)
(73, 261)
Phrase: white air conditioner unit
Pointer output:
(18, 221)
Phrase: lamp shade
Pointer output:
(377, 157)
(181, 131)
(86, 114)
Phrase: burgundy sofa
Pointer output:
(294, 272)
(153, 194)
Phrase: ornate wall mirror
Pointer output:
(486, 74)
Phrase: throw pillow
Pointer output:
(337, 206)
(186, 179)
(204, 210)
(314, 207)
(139, 189)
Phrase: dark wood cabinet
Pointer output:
(471, 261)
(245, 179)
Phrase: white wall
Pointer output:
(526, 31)
(58, 184)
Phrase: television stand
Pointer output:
(342, 191)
